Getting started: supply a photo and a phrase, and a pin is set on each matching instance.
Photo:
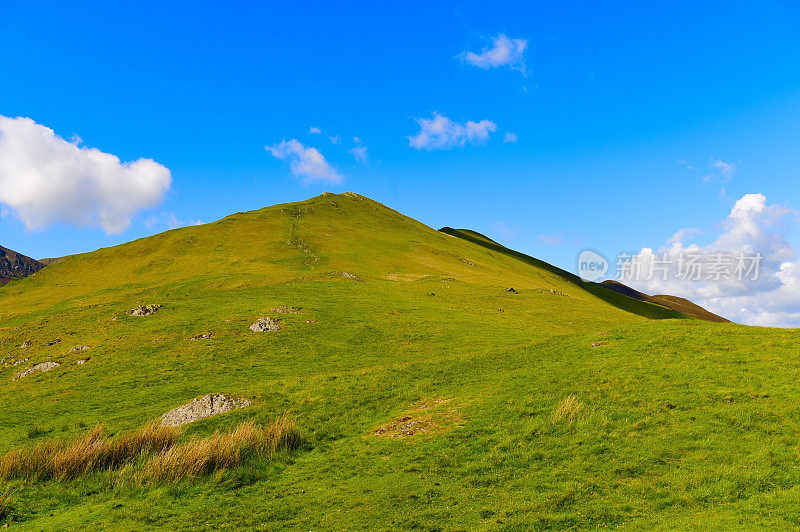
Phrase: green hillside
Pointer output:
(426, 395)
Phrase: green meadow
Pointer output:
(425, 395)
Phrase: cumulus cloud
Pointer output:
(766, 294)
(305, 162)
(510, 137)
(45, 179)
(441, 133)
(503, 52)
(314, 130)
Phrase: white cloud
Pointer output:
(682, 235)
(314, 130)
(359, 153)
(169, 220)
(726, 170)
(504, 52)
(510, 137)
(441, 133)
(551, 240)
(562, 237)
(752, 227)
(717, 171)
(335, 139)
(508, 232)
(45, 179)
(305, 162)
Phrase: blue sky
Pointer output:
(622, 114)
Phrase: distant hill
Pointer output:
(14, 265)
(679, 304)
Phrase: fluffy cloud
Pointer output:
(510, 137)
(314, 130)
(753, 228)
(441, 133)
(504, 52)
(45, 179)
(305, 162)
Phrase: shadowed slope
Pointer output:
(676, 303)
(14, 265)
(643, 308)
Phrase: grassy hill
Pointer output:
(426, 395)
(679, 304)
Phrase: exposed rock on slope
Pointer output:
(264, 325)
(145, 310)
(44, 366)
(14, 265)
(201, 408)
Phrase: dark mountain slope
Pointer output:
(14, 265)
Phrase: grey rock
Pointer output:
(264, 325)
(145, 310)
(42, 367)
(201, 408)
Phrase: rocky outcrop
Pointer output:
(38, 368)
(145, 310)
(14, 265)
(201, 408)
(264, 325)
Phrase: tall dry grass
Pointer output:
(168, 460)
(221, 450)
(67, 459)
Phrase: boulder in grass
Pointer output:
(145, 310)
(265, 325)
(201, 408)
(42, 367)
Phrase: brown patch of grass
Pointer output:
(67, 459)
(168, 460)
(426, 417)
(569, 410)
(221, 450)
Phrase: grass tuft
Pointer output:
(569, 410)
(69, 459)
(222, 450)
